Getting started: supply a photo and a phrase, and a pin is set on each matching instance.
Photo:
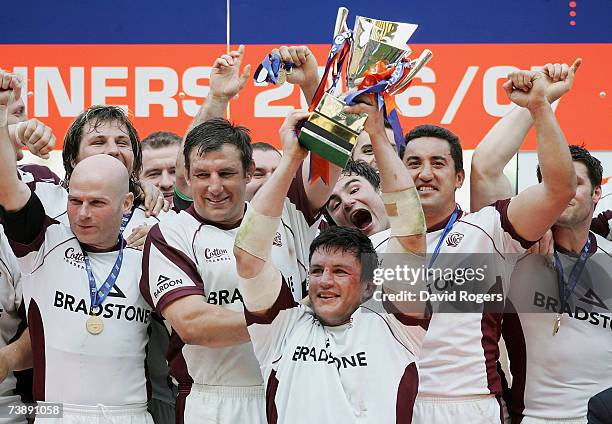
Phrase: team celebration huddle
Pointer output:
(206, 278)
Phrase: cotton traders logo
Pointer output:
(454, 239)
(74, 258)
(216, 255)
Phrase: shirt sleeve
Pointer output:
(269, 331)
(602, 223)
(511, 240)
(297, 196)
(168, 273)
(26, 230)
(411, 331)
(11, 269)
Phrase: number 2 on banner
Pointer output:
(263, 108)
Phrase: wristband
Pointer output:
(256, 234)
(405, 212)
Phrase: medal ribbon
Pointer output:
(447, 228)
(566, 291)
(341, 48)
(271, 64)
(380, 81)
(125, 220)
(98, 296)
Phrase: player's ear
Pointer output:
(596, 194)
(128, 201)
(250, 171)
(368, 290)
(459, 179)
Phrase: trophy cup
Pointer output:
(332, 133)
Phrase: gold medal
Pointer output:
(94, 325)
(556, 325)
(282, 75)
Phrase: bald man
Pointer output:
(87, 320)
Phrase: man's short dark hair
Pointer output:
(211, 135)
(435, 131)
(593, 165)
(362, 169)
(348, 240)
(160, 139)
(265, 147)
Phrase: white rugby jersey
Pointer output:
(555, 376)
(186, 255)
(46, 185)
(10, 303)
(70, 364)
(460, 351)
(360, 372)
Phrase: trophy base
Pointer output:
(325, 144)
(330, 132)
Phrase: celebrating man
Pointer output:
(553, 307)
(80, 287)
(354, 364)
(189, 272)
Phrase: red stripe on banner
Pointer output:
(163, 86)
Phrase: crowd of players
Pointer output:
(206, 279)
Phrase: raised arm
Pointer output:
(305, 75)
(487, 180)
(305, 68)
(533, 211)
(14, 194)
(395, 180)
(260, 282)
(407, 239)
(226, 81)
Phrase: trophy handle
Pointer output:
(341, 21)
(417, 65)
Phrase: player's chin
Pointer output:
(329, 311)
(86, 234)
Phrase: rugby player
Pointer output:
(548, 320)
(77, 332)
(159, 152)
(189, 273)
(354, 364)
(266, 159)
